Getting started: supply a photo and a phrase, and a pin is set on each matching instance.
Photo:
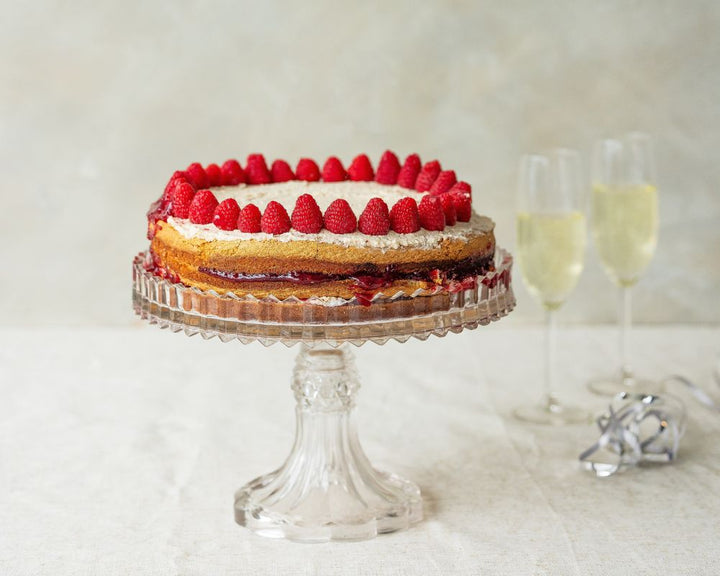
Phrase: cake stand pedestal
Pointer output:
(326, 489)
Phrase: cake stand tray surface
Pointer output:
(326, 489)
(328, 321)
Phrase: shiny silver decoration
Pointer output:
(637, 428)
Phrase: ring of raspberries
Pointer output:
(447, 200)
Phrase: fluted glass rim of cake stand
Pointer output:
(327, 489)
(331, 322)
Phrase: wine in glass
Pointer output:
(625, 229)
(551, 238)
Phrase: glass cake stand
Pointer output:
(326, 489)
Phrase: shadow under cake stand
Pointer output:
(326, 489)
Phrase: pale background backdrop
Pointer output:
(101, 101)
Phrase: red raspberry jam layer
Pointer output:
(372, 279)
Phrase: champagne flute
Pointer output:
(625, 228)
(551, 237)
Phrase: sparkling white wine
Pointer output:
(551, 251)
(625, 225)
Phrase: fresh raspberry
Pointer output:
(178, 174)
(178, 177)
(409, 172)
(195, 174)
(257, 170)
(339, 217)
(463, 205)
(226, 214)
(388, 169)
(306, 216)
(361, 170)
(182, 197)
(307, 170)
(445, 180)
(214, 175)
(449, 208)
(462, 187)
(281, 171)
(404, 217)
(375, 219)
(249, 219)
(232, 173)
(432, 216)
(202, 208)
(333, 170)
(275, 219)
(427, 176)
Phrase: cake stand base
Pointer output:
(327, 489)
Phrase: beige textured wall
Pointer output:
(101, 101)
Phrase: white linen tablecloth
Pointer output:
(120, 450)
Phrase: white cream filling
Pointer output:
(357, 195)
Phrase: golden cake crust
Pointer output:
(190, 259)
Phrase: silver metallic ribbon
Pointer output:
(699, 394)
(636, 428)
(643, 427)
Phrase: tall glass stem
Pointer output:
(625, 316)
(550, 410)
(550, 354)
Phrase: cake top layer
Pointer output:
(422, 239)
(357, 194)
(402, 199)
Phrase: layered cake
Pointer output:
(397, 230)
